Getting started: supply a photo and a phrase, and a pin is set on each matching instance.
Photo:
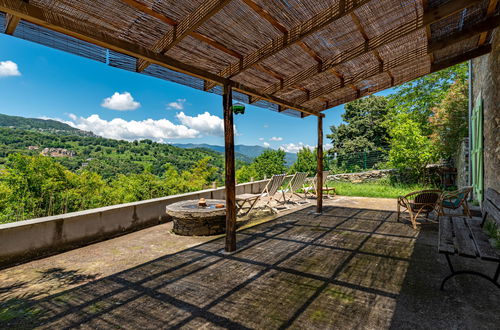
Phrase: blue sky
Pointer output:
(90, 95)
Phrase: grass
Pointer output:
(382, 189)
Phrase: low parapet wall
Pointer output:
(25, 240)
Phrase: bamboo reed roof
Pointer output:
(299, 57)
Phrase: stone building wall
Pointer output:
(462, 164)
(486, 79)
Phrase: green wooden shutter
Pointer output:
(477, 149)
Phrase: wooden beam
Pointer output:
(479, 51)
(265, 15)
(450, 40)
(296, 34)
(11, 24)
(445, 10)
(188, 24)
(252, 92)
(56, 22)
(147, 10)
(229, 169)
(310, 52)
(438, 66)
(59, 23)
(492, 5)
(319, 174)
(438, 13)
(469, 32)
(165, 19)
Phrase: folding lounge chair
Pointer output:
(312, 189)
(269, 191)
(295, 184)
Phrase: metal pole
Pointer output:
(227, 101)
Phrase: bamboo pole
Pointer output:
(319, 180)
(230, 172)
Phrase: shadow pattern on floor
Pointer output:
(347, 268)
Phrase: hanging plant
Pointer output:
(238, 108)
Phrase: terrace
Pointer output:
(342, 263)
(348, 267)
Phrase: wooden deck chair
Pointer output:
(269, 191)
(311, 190)
(295, 184)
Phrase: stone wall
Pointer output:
(462, 164)
(486, 79)
(361, 176)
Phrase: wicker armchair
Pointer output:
(455, 199)
(419, 202)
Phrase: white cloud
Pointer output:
(9, 69)
(295, 147)
(266, 145)
(261, 139)
(118, 128)
(177, 105)
(274, 138)
(121, 102)
(204, 123)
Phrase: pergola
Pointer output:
(298, 57)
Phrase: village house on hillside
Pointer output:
(58, 152)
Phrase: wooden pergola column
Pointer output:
(227, 103)
(319, 181)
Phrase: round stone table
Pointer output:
(191, 220)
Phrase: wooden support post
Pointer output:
(227, 101)
(319, 180)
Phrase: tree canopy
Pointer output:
(363, 129)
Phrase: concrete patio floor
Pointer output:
(352, 267)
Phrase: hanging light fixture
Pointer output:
(238, 108)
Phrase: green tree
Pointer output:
(450, 120)
(270, 162)
(363, 129)
(246, 173)
(410, 149)
(417, 98)
(306, 162)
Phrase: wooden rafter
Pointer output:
(265, 15)
(165, 19)
(479, 51)
(11, 24)
(187, 25)
(320, 93)
(274, 22)
(492, 5)
(294, 35)
(450, 40)
(458, 37)
(56, 22)
(371, 45)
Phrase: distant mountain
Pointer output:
(45, 125)
(248, 151)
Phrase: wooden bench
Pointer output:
(465, 237)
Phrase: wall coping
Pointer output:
(34, 221)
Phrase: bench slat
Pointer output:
(465, 244)
(492, 209)
(446, 236)
(486, 251)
